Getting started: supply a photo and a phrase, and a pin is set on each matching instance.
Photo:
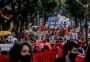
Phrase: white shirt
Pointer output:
(74, 36)
(9, 38)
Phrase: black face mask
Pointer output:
(26, 58)
(73, 56)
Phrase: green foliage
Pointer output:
(25, 11)
(74, 9)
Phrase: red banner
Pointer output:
(45, 56)
(48, 56)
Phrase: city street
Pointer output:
(44, 30)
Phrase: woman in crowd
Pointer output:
(87, 57)
(36, 49)
(21, 52)
(69, 53)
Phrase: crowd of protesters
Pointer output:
(23, 52)
(72, 43)
(50, 35)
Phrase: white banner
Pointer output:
(5, 47)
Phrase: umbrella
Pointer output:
(4, 33)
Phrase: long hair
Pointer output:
(87, 57)
(15, 52)
(68, 47)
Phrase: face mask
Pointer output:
(73, 56)
(25, 58)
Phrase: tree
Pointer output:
(24, 11)
(74, 10)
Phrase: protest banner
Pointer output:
(5, 47)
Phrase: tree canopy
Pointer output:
(24, 11)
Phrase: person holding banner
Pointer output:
(21, 52)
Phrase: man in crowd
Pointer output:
(69, 53)
(74, 35)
